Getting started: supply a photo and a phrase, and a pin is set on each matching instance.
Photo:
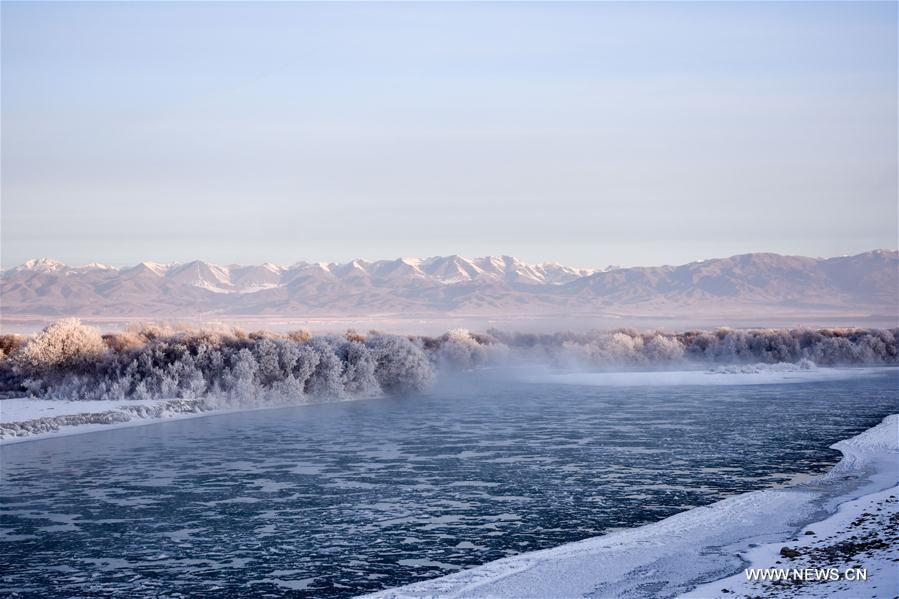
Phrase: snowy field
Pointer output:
(674, 555)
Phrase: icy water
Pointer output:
(340, 499)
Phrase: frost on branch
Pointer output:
(401, 366)
(629, 348)
(71, 361)
(64, 344)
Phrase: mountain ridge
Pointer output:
(864, 283)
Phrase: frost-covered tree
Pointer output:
(70, 360)
(458, 349)
(663, 349)
(326, 379)
(359, 366)
(241, 379)
(9, 344)
(401, 366)
(65, 344)
(626, 347)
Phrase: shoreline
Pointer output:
(676, 556)
(859, 536)
(135, 419)
(34, 415)
(702, 552)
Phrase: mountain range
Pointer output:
(856, 288)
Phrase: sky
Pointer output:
(583, 133)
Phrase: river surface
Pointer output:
(337, 499)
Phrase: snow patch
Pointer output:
(27, 418)
(18, 409)
(761, 368)
(41, 265)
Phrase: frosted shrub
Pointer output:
(9, 344)
(326, 379)
(458, 349)
(241, 379)
(401, 366)
(268, 361)
(628, 348)
(835, 350)
(120, 342)
(359, 368)
(662, 348)
(64, 344)
(307, 360)
(300, 336)
(59, 355)
(72, 361)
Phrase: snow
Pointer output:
(41, 265)
(273, 267)
(156, 267)
(761, 368)
(252, 288)
(25, 418)
(816, 544)
(94, 266)
(714, 542)
(210, 287)
(758, 374)
(19, 409)
(862, 532)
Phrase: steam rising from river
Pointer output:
(72, 361)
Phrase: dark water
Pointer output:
(338, 499)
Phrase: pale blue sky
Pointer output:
(626, 133)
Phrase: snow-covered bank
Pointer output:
(25, 418)
(21, 409)
(28, 419)
(861, 535)
(676, 555)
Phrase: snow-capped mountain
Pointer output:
(858, 286)
(203, 275)
(40, 265)
(253, 278)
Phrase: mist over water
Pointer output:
(69, 360)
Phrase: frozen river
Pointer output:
(344, 498)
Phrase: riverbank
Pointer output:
(681, 554)
(31, 419)
(27, 419)
(24, 419)
(848, 555)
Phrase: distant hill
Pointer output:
(739, 288)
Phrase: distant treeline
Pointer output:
(73, 361)
(824, 347)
